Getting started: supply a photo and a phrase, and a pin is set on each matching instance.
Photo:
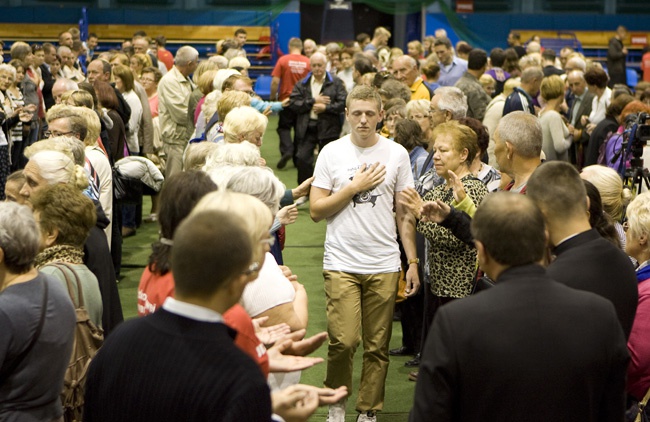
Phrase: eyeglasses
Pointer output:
(51, 133)
(626, 226)
(147, 80)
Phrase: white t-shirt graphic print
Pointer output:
(361, 238)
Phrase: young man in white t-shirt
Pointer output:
(357, 181)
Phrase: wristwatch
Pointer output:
(414, 261)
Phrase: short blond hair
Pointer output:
(638, 215)
(610, 186)
(243, 121)
(231, 100)
(552, 87)
(463, 138)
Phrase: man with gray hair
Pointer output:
(518, 146)
(522, 96)
(448, 103)
(174, 90)
(405, 69)
(580, 106)
(34, 350)
(575, 63)
(61, 86)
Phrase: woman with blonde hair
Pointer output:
(201, 89)
(614, 195)
(556, 138)
(124, 82)
(216, 107)
(240, 64)
(138, 62)
(245, 124)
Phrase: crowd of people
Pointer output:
(479, 197)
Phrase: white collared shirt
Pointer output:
(195, 312)
(315, 92)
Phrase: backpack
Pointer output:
(88, 338)
(610, 152)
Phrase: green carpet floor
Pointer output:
(303, 253)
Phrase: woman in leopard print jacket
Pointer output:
(452, 263)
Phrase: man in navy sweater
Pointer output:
(180, 364)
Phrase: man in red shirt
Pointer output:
(288, 70)
(163, 54)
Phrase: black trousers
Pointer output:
(305, 151)
(431, 305)
(286, 122)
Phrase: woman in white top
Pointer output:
(124, 82)
(597, 83)
(347, 68)
(556, 139)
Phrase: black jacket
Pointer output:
(48, 83)
(97, 257)
(589, 262)
(330, 121)
(528, 349)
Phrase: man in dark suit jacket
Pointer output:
(585, 260)
(580, 106)
(48, 78)
(527, 349)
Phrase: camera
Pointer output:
(638, 133)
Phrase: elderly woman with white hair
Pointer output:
(614, 195)
(637, 233)
(272, 294)
(37, 320)
(53, 167)
(245, 124)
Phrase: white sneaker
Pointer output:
(367, 417)
(336, 412)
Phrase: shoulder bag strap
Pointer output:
(642, 405)
(63, 266)
(8, 370)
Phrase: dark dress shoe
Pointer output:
(413, 376)
(413, 362)
(283, 161)
(401, 351)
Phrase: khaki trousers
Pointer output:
(174, 153)
(360, 306)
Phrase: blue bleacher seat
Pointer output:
(632, 77)
(263, 86)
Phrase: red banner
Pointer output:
(639, 39)
(464, 6)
